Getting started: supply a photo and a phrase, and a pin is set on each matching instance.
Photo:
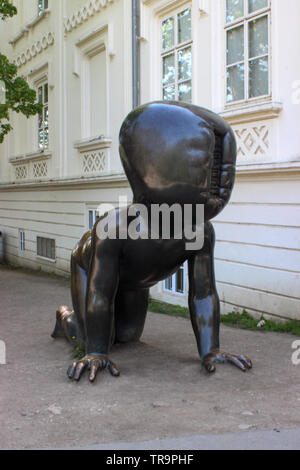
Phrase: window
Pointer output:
(247, 49)
(46, 248)
(21, 240)
(98, 98)
(177, 282)
(42, 5)
(43, 123)
(93, 216)
(177, 57)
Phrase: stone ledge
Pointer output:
(92, 143)
(252, 112)
(29, 157)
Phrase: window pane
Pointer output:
(40, 94)
(46, 115)
(258, 37)
(40, 6)
(257, 5)
(41, 139)
(52, 249)
(258, 77)
(235, 83)
(168, 33)
(91, 219)
(235, 45)
(184, 26)
(168, 283)
(235, 9)
(46, 93)
(169, 69)
(169, 93)
(46, 137)
(185, 92)
(185, 63)
(180, 281)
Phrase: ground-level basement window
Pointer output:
(177, 282)
(21, 240)
(46, 248)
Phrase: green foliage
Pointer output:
(239, 320)
(19, 97)
(7, 9)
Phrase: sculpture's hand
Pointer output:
(94, 363)
(242, 362)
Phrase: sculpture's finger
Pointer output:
(79, 369)
(113, 369)
(94, 369)
(237, 362)
(247, 362)
(71, 370)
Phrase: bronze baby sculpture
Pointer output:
(172, 153)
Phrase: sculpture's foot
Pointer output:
(238, 360)
(93, 363)
(64, 318)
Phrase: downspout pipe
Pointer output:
(136, 66)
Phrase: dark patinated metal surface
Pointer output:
(172, 153)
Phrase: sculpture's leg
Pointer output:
(102, 286)
(204, 307)
(66, 325)
(78, 293)
(130, 314)
(70, 323)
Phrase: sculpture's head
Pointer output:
(178, 153)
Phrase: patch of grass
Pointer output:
(168, 309)
(239, 320)
(246, 321)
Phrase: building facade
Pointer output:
(91, 62)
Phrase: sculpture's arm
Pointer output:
(102, 286)
(204, 307)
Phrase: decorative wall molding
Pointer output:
(87, 11)
(95, 154)
(94, 162)
(40, 169)
(253, 142)
(31, 166)
(21, 172)
(35, 20)
(36, 48)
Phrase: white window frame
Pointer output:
(244, 21)
(175, 50)
(42, 85)
(173, 277)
